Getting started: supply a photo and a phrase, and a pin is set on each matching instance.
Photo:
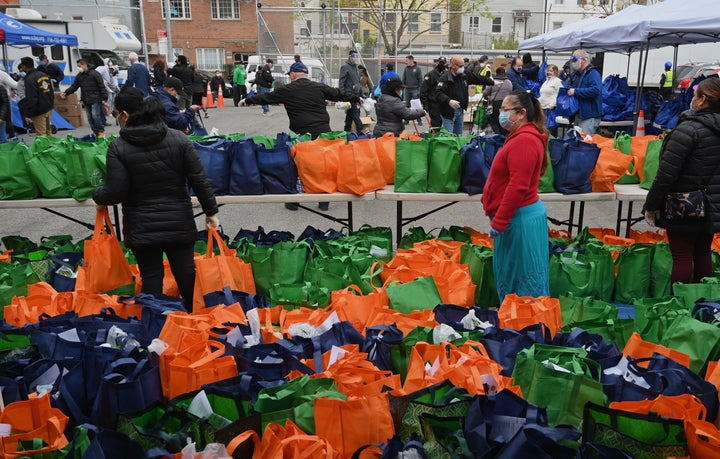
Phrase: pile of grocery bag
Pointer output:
(333, 345)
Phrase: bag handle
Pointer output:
(213, 235)
(216, 354)
(102, 219)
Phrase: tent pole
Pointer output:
(642, 67)
(675, 57)
(5, 61)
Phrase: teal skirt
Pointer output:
(520, 254)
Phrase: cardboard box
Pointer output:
(367, 123)
(69, 110)
(71, 99)
(76, 121)
(500, 62)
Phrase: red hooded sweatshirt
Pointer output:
(514, 175)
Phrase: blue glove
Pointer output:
(494, 233)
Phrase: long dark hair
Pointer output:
(710, 88)
(142, 109)
(535, 115)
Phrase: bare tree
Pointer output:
(608, 7)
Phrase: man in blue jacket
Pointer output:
(587, 83)
(138, 75)
(175, 118)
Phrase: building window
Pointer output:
(210, 58)
(225, 9)
(366, 16)
(389, 21)
(557, 25)
(179, 9)
(497, 25)
(474, 22)
(177, 52)
(414, 23)
(435, 22)
(366, 35)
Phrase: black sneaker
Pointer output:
(324, 206)
(291, 206)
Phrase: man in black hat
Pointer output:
(52, 70)
(175, 117)
(304, 102)
(427, 92)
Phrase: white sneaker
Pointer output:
(267, 114)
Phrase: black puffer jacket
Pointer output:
(149, 169)
(92, 87)
(689, 161)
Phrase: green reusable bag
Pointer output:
(654, 316)
(617, 331)
(411, 166)
(378, 236)
(455, 233)
(633, 273)
(699, 340)
(660, 270)
(560, 379)
(444, 165)
(576, 310)
(331, 273)
(293, 296)
(547, 180)
(480, 263)
(645, 436)
(45, 161)
(295, 138)
(83, 169)
(283, 263)
(36, 259)
(480, 118)
(623, 142)
(604, 273)
(652, 162)
(14, 281)
(334, 135)
(413, 235)
(13, 339)
(690, 293)
(225, 409)
(571, 274)
(15, 179)
(420, 294)
(18, 243)
(265, 141)
(400, 353)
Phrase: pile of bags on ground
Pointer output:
(330, 345)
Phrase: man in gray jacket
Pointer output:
(412, 79)
(350, 84)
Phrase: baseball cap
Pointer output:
(298, 67)
(442, 59)
(174, 83)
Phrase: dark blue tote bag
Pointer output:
(244, 169)
(278, 171)
(566, 105)
(477, 157)
(573, 161)
(215, 157)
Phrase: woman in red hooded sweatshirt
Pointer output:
(518, 219)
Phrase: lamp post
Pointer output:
(324, 51)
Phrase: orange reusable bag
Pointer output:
(359, 170)
(349, 424)
(169, 287)
(202, 363)
(686, 407)
(30, 419)
(712, 374)
(215, 272)
(517, 312)
(703, 439)
(611, 165)
(105, 265)
(641, 349)
(317, 164)
(24, 310)
(352, 306)
(287, 442)
(385, 148)
(650, 236)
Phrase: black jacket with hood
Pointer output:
(690, 161)
(455, 87)
(149, 169)
(92, 87)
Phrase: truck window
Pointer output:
(56, 53)
(92, 58)
(37, 50)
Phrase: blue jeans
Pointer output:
(352, 115)
(3, 132)
(263, 90)
(96, 117)
(454, 124)
(588, 125)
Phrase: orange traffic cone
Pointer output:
(209, 98)
(640, 129)
(221, 99)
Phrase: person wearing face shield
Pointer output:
(587, 88)
(451, 92)
(427, 92)
(350, 84)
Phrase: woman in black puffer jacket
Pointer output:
(149, 169)
(391, 110)
(690, 161)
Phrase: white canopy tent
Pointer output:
(552, 41)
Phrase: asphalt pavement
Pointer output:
(35, 223)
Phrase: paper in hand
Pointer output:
(415, 103)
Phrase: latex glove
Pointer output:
(454, 104)
(242, 103)
(213, 221)
(651, 216)
(494, 233)
(571, 92)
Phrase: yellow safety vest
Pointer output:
(668, 79)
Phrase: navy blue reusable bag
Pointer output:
(244, 170)
(477, 157)
(566, 105)
(215, 157)
(226, 296)
(452, 315)
(573, 161)
(278, 171)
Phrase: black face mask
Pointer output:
(441, 67)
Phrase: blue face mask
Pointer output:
(23, 74)
(504, 120)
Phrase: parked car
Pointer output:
(691, 72)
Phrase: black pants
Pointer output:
(182, 264)
(352, 115)
(435, 117)
(239, 93)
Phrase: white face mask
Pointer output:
(460, 70)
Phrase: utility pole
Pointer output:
(167, 28)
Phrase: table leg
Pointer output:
(581, 216)
(116, 214)
(629, 219)
(350, 216)
(619, 218)
(399, 222)
(571, 217)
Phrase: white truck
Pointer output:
(281, 65)
(97, 40)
